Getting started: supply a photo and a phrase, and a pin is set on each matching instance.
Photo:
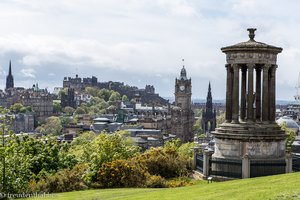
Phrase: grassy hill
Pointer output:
(280, 187)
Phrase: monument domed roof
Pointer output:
(290, 123)
(252, 45)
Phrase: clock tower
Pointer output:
(182, 114)
(183, 91)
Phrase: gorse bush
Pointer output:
(163, 162)
(156, 181)
(122, 173)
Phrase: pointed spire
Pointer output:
(9, 72)
(9, 78)
(183, 72)
(209, 106)
(209, 92)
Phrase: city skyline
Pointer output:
(141, 42)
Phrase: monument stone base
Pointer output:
(262, 145)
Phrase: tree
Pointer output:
(53, 126)
(56, 107)
(105, 94)
(198, 113)
(198, 127)
(63, 92)
(220, 119)
(124, 98)
(79, 111)
(103, 148)
(93, 91)
(19, 108)
(69, 110)
(97, 106)
(291, 136)
(115, 96)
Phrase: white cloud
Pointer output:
(144, 38)
(29, 72)
(177, 7)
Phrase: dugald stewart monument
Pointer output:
(250, 143)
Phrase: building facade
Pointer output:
(182, 120)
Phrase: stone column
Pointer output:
(258, 94)
(272, 93)
(229, 94)
(196, 150)
(246, 167)
(250, 92)
(206, 158)
(265, 100)
(289, 163)
(243, 93)
(235, 96)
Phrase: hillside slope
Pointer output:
(280, 187)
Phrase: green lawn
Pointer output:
(280, 187)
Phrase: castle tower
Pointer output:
(9, 78)
(182, 114)
(250, 143)
(209, 115)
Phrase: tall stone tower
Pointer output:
(182, 114)
(183, 91)
(250, 143)
(209, 114)
(9, 78)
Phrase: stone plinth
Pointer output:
(263, 144)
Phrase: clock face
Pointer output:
(182, 87)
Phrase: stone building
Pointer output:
(78, 83)
(182, 120)
(23, 122)
(150, 89)
(147, 94)
(209, 114)
(68, 99)
(40, 100)
(250, 143)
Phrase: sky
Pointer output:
(141, 42)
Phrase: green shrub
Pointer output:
(155, 181)
(62, 181)
(164, 162)
(122, 173)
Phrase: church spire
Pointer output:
(209, 92)
(209, 106)
(9, 73)
(9, 78)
